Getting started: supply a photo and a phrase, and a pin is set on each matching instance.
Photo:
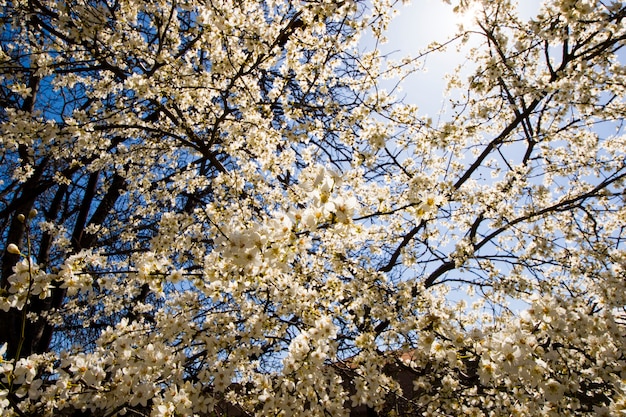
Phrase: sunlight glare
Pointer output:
(465, 16)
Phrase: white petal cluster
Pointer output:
(26, 281)
(222, 208)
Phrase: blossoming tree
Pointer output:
(213, 207)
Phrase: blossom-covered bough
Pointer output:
(214, 208)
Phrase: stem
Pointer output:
(27, 302)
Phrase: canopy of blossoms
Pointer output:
(215, 207)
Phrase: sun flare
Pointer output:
(465, 16)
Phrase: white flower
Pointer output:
(21, 89)
(343, 208)
(553, 390)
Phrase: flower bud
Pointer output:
(32, 213)
(12, 248)
(21, 218)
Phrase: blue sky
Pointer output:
(420, 23)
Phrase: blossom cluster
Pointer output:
(216, 208)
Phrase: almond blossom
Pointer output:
(228, 208)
